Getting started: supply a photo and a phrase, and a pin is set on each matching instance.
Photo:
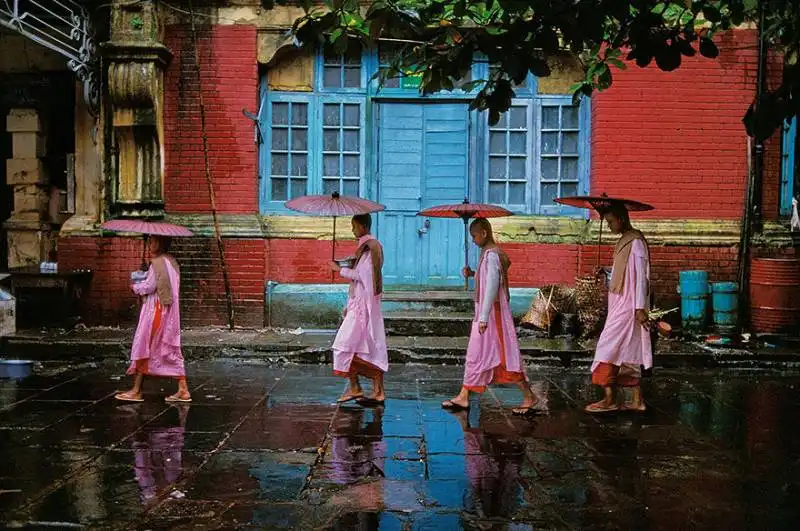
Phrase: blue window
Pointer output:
(341, 71)
(559, 153)
(788, 166)
(342, 146)
(509, 164)
(289, 148)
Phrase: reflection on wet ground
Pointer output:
(264, 447)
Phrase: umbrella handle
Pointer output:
(466, 252)
(333, 249)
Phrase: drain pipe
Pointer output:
(270, 286)
(752, 219)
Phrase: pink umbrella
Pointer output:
(333, 205)
(148, 228)
(141, 226)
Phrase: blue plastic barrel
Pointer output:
(694, 299)
(725, 305)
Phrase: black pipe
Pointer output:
(752, 217)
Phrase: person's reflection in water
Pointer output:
(157, 455)
(357, 447)
(492, 463)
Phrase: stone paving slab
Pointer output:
(313, 346)
(265, 447)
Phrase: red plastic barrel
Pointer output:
(775, 295)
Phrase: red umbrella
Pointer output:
(466, 211)
(602, 203)
(334, 205)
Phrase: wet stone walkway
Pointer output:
(263, 447)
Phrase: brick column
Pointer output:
(30, 237)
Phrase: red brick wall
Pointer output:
(681, 134)
(109, 300)
(303, 261)
(203, 288)
(542, 264)
(229, 80)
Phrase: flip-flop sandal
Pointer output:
(632, 409)
(125, 397)
(524, 412)
(592, 408)
(369, 402)
(452, 406)
(348, 399)
(177, 400)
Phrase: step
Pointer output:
(427, 323)
(433, 300)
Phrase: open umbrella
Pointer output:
(602, 203)
(334, 205)
(148, 228)
(466, 211)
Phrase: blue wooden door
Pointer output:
(423, 160)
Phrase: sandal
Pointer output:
(598, 408)
(127, 397)
(452, 406)
(176, 398)
(524, 411)
(369, 402)
(348, 398)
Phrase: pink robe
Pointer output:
(362, 333)
(158, 352)
(494, 356)
(623, 340)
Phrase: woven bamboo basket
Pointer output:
(548, 303)
(591, 298)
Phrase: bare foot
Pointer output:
(456, 404)
(636, 408)
(378, 396)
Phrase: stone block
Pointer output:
(27, 248)
(23, 121)
(28, 145)
(30, 198)
(25, 171)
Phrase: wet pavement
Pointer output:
(263, 447)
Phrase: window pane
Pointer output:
(351, 166)
(351, 141)
(550, 169)
(352, 116)
(569, 143)
(331, 165)
(279, 190)
(568, 189)
(497, 167)
(497, 192)
(330, 114)
(280, 164)
(330, 140)
(329, 186)
(497, 142)
(517, 143)
(516, 193)
(299, 114)
(298, 187)
(516, 168)
(519, 118)
(569, 117)
(569, 169)
(550, 117)
(549, 192)
(550, 143)
(280, 114)
(392, 83)
(350, 188)
(332, 77)
(300, 165)
(352, 77)
(299, 140)
(503, 122)
(280, 139)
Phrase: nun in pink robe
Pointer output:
(493, 355)
(625, 345)
(360, 345)
(156, 349)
